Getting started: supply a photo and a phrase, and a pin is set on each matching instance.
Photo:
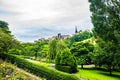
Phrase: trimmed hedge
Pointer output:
(38, 70)
(64, 68)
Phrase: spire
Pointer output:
(76, 29)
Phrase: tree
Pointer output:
(82, 35)
(26, 49)
(43, 53)
(60, 47)
(81, 51)
(14, 51)
(4, 26)
(5, 41)
(52, 49)
(65, 61)
(106, 20)
(40, 48)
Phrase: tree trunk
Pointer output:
(36, 55)
(110, 71)
(82, 66)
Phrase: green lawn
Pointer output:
(95, 74)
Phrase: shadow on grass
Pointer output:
(93, 68)
(108, 74)
(103, 72)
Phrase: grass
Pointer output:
(39, 62)
(96, 74)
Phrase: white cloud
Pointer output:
(26, 15)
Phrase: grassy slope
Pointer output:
(11, 72)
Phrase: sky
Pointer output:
(30, 20)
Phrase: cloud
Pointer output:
(32, 19)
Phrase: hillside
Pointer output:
(11, 72)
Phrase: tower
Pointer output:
(76, 30)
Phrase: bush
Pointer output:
(63, 68)
(14, 51)
(38, 70)
(66, 59)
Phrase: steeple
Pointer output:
(76, 30)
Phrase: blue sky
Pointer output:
(30, 20)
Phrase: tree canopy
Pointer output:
(106, 20)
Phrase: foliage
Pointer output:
(81, 51)
(26, 49)
(6, 41)
(37, 50)
(64, 68)
(4, 26)
(82, 36)
(38, 70)
(10, 72)
(78, 37)
(14, 51)
(52, 49)
(106, 20)
(38, 47)
(60, 47)
(65, 58)
(43, 53)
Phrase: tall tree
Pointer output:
(106, 19)
(6, 41)
(52, 49)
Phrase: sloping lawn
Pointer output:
(11, 72)
(95, 74)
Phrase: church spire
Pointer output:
(76, 29)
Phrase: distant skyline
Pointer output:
(30, 20)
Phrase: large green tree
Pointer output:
(7, 41)
(81, 51)
(106, 20)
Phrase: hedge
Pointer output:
(38, 70)
(64, 68)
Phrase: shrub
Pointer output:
(14, 51)
(38, 70)
(66, 60)
(63, 68)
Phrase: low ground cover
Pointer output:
(11, 72)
